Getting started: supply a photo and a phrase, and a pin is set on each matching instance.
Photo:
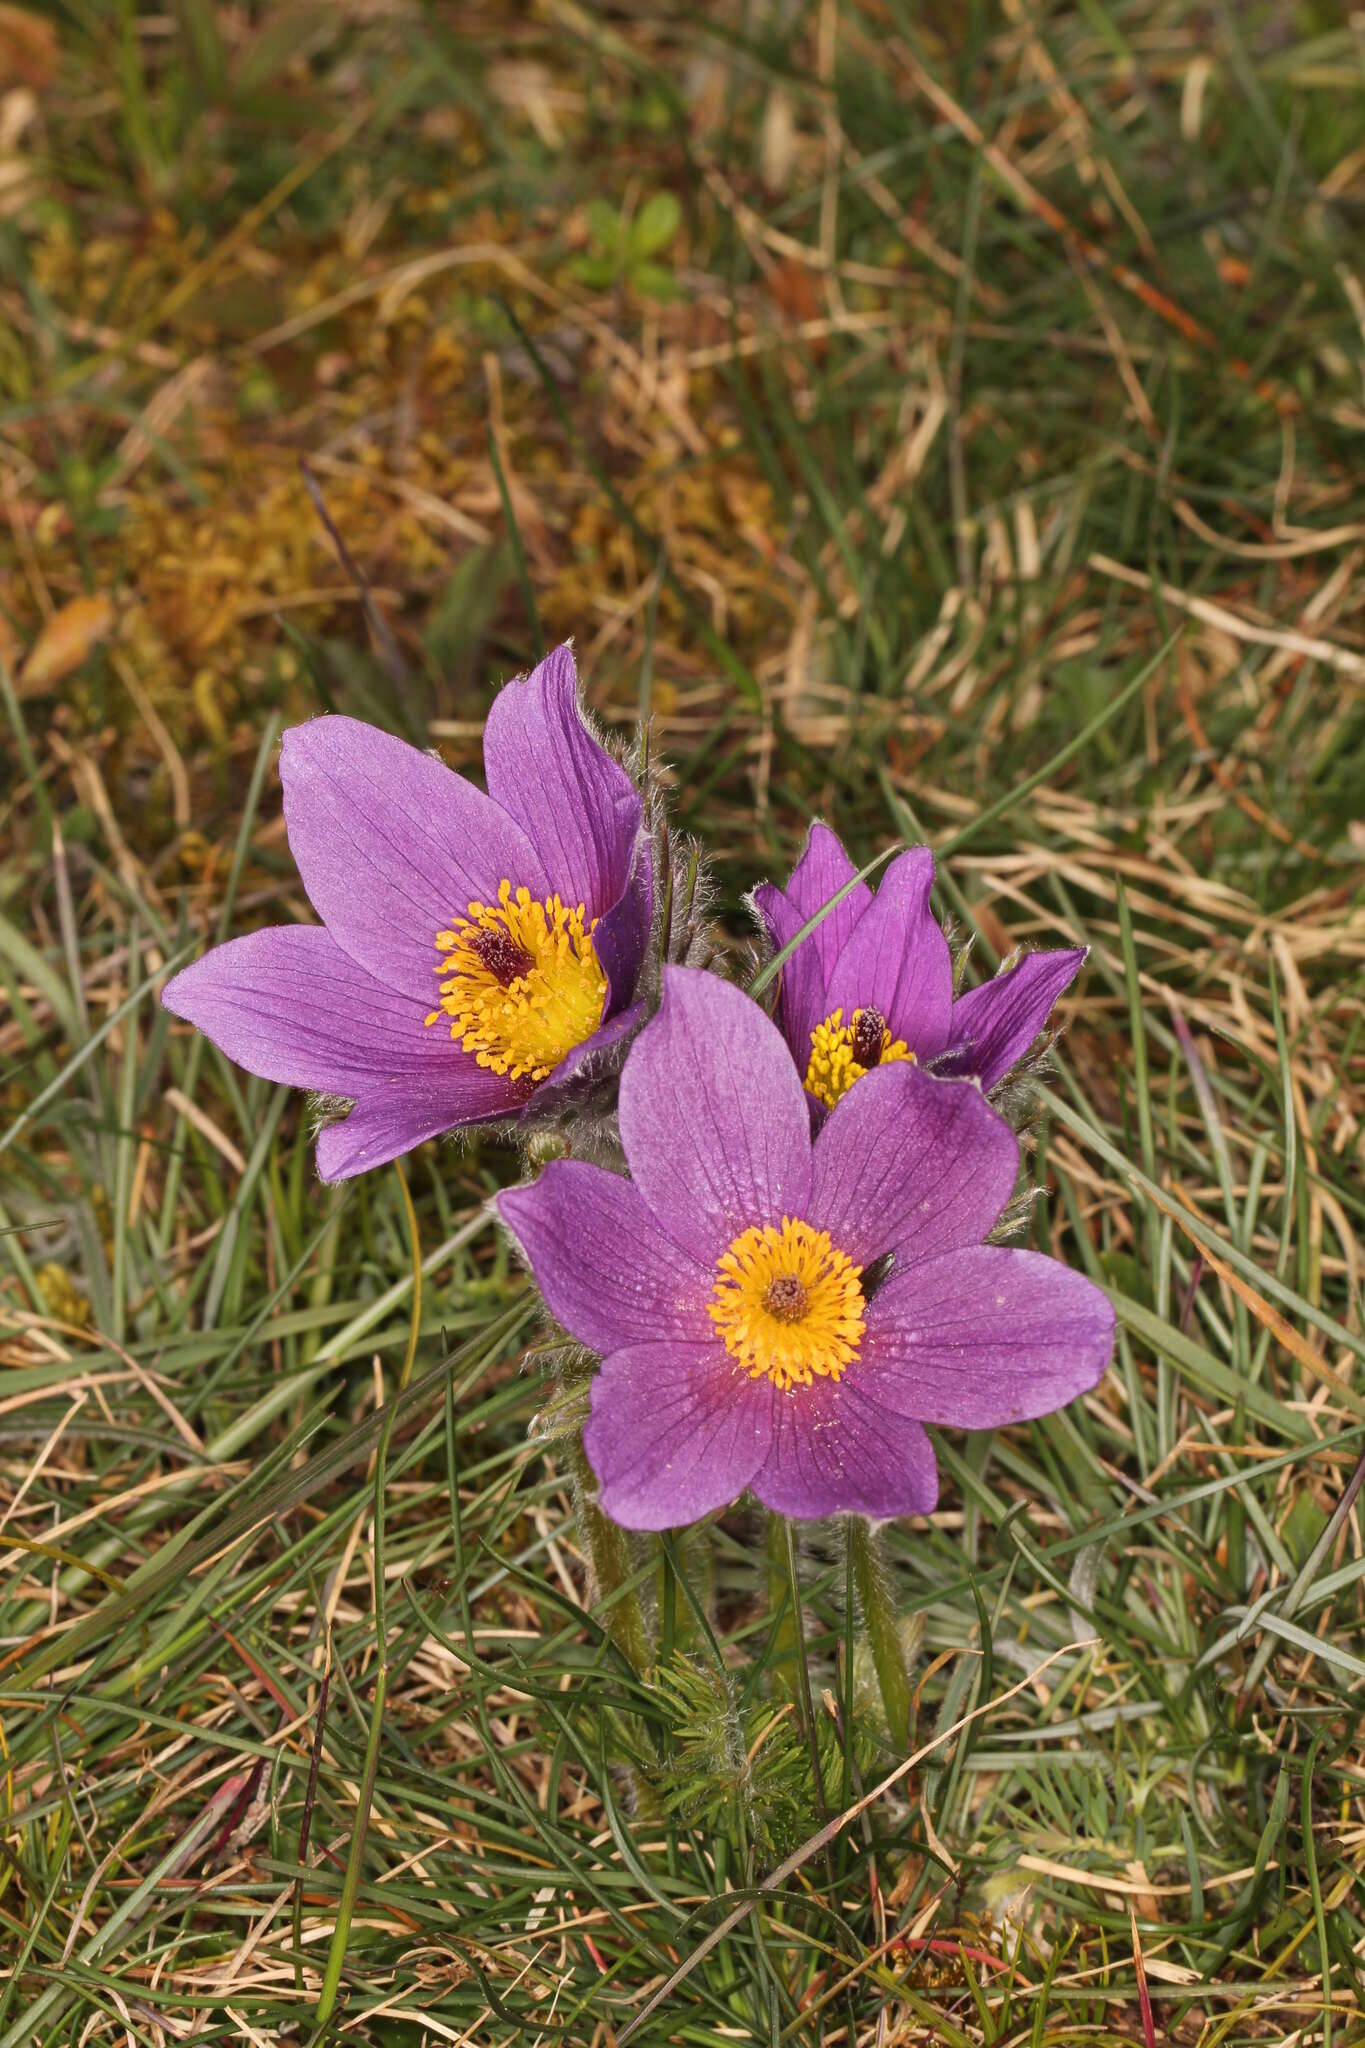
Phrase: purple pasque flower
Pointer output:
(474, 949)
(873, 983)
(723, 1283)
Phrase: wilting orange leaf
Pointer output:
(28, 48)
(795, 291)
(11, 646)
(65, 641)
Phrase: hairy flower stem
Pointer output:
(873, 1584)
(786, 1645)
(805, 1704)
(609, 1549)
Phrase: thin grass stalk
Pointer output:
(355, 1862)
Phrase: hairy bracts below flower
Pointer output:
(475, 949)
(872, 985)
(723, 1283)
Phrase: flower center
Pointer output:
(841, 1054)
(521, 983)
(788, 1305)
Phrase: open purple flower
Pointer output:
(873, 983)
(474, 949)
(724, 1282)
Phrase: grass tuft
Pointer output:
(943, 420)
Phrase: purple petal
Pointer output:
(392, 845)
(713, 1115)
(675, 1431)
(820, 874)
(897, 959)
(577, 806)
(397, 1115)
(605, 1268)
(994, 1025)
(986, 1336)
(837, 1452)
(913, 1165)
(801, 979)
(621, 934)
(288, 1004)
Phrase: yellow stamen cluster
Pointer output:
(833, 1067)
(521, 983)
(788, 1305)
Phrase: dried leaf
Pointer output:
(777, 141)
(65, 641)
(11, 646)
(28, 48)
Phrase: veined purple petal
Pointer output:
(675, 1431)
(897, 960)
(576, 805)
(819, 875)
(821, 872)
(621, 934)
(801, 983)
(605, 1268)
(288, 1004)
(911, 1165)
(985, 1336)
(994, 1025)
(713, 1115)
(394, 1116)
(393, 846)
(835, 1451)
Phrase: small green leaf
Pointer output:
(597, 272)
(655, 224)
(652, 281)
(1303, 1525)
(1123, 1272)
(604, 225)
(465, 609)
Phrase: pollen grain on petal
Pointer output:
(520, 982)
(788, 1304)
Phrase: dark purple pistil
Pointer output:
(867, 1037)
(505, 960)
(786, 1298)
